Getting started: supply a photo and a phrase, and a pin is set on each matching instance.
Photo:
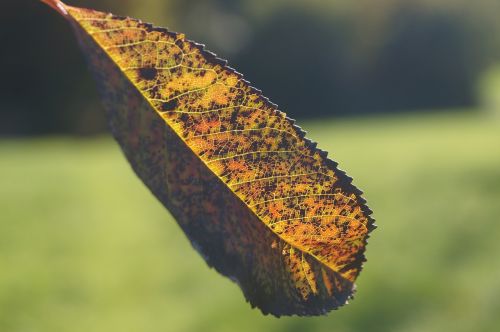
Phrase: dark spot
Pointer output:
(170, 105)
(234, 115)
(179, 43)
(283, 145)
(148, 73)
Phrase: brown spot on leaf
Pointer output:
(148, 73)
(170, 105)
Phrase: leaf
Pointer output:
(257, 199)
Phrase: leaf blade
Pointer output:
(311, 223)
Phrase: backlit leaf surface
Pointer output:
(258, 200)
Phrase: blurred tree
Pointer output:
(424, 63)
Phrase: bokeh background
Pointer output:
(405, 94)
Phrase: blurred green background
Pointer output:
(405, 95)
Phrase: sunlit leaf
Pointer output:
(258, 200)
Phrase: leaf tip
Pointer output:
(57, 5)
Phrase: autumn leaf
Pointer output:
(258, 200)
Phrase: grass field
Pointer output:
(85, 247)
